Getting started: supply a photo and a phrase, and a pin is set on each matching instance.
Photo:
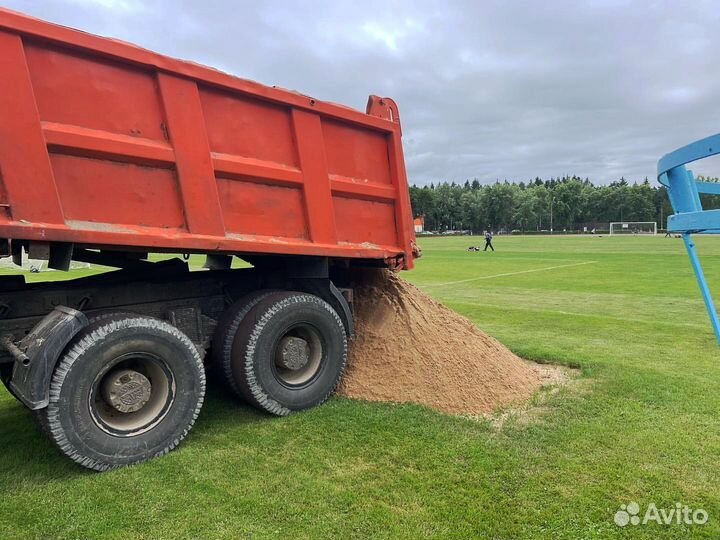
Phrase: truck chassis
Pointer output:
(132, 344)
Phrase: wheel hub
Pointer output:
(126, 390)
(293, 353)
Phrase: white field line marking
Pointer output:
(509, 274)
(589, 315)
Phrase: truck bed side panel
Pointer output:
(104, 143)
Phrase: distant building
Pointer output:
(419, 223)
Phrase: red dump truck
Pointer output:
(109, 152)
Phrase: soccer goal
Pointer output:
(633, 227)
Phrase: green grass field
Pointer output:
(640, 423)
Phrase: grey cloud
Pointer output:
(487, 90)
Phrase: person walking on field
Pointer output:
(488, 241)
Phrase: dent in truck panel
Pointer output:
(242, 126)
(251, 208)
(120, 193)
(360, 221)
(356, 152)
(89, 91)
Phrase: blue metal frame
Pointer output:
(690, 218)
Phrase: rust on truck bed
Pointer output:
(103, 143)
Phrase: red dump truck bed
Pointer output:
(106, 144)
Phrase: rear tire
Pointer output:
(221, 354)
(289, 352)
(127, 389)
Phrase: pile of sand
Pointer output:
(410, 348)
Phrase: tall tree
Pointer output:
(570, 201)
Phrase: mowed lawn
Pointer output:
(640, 422)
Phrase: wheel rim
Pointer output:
(298, 355)
(132, 394)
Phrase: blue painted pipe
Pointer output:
(702, 283)
(684, 193)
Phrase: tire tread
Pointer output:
(251, 389)
(50, 415)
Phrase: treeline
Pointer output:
(569, 203)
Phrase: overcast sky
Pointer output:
(488, 90)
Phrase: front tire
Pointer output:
(127, 389)
(289, 352)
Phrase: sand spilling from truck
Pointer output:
(410, 348)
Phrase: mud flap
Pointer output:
(38, 352)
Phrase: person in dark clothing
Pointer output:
(488, 241)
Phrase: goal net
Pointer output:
(633, 227)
